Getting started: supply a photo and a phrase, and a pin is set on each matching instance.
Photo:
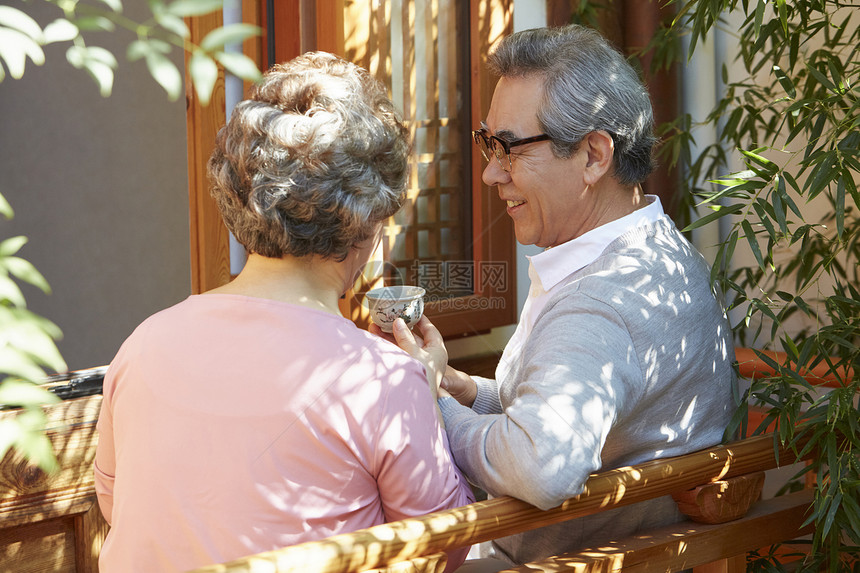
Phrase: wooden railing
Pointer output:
(680, 546)
(52, 522)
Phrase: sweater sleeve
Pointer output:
(487, 399)
(578, 372)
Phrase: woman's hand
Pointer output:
(426, 346)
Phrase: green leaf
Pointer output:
(173, 23)
(10, 291)
(769, 166)
(721, 211)
(821, 175)
(165, 73)
(25, 433)
(15, 19)
(227, 35)
(783, 15)
(753, 242)
(15, 48)
(822, 79)
(98, 62)
(785, 82)
(759, 15)
(839, 205)
(765, 220)
(5, 208)
(25, 271)
(20, 393)
(17, 364)
(12, 245)
(778, 208)
(137, 50)
(60, 30)
(115, 5)
(204, 74)
(185, 8)
(95, 23)
(239, 65)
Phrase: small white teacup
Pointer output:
(388, 303)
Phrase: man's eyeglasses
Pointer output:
(492, 146)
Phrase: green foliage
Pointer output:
(792, 119)
(154, 40)
(27, 340)
(26, 348)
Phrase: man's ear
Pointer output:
(600, 149)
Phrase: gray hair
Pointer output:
(312, 161)
(588, 86)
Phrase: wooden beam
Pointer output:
(386, 544)
(687, 544)
(209, 239)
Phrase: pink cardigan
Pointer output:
(233, 425)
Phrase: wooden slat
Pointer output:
(210, 250)
(383, 545)
(43, 547)
(91, 530)
(330, 26)
(687, 544)
(51, 522)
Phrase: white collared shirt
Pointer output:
(548, 269)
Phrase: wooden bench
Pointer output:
(418, 544)
(52, 523)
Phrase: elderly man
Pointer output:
(622, 353)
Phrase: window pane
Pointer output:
(419, 49)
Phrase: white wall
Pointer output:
(100, 188)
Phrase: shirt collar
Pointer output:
(554, 264)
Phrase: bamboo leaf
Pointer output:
(759, 15)
(753, 242)
(822, 79)
(765, 220)
(721, 211)
(778, 208)
(770, 168)
(839, 206)
(783, 15)
(785, 81)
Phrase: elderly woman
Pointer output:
(255, 416)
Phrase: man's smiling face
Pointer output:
(545, 195)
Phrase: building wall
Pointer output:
(99, 186)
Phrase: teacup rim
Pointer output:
(403, 292)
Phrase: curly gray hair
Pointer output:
(312, 161)
(588, 86)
